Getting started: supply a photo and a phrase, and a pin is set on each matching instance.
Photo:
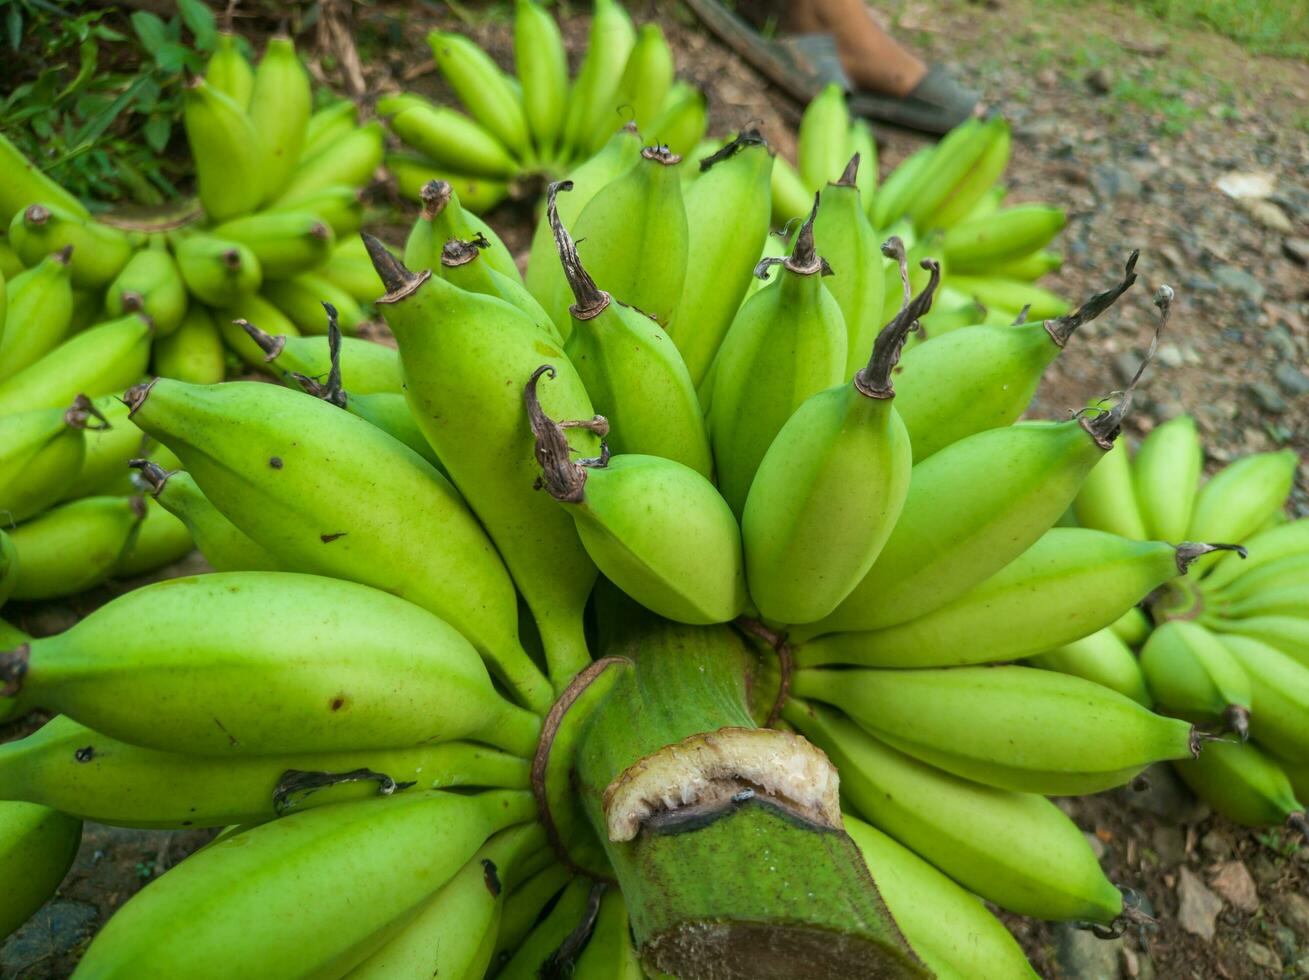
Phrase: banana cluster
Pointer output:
(1229, 647)
(539, 123)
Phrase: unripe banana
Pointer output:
(25, 184)
(609, 951)
(350, 161)
(413, 173)
(75, 546)
(453, 935)
(1102, 657)
(1107, 498)
(1030, 267)
(99, 251)
(978, 245)
(1070, 583)
(542, 64)
(39, 310)
(1244, 784)
(946, 926)
(786, 343)
(151, 283)
(350, 268)
(451, 140)
(633, 235)
(1078, 737)
(1265, 548)
(194, 351)
(218, 271)
(523, 908)
(971, 188)
(109, 447)
(161, 540)
(1132, 627)
(37, 847)
(572, 914)
(283, 476)
(1017, 850)
(41, 453)
(230, 650)
(102, 359)
(647, 78)
(228, 70)
(1280, 697)
(1290, 634)
(226, 548)
(1270, 578)
(893, 196)
(631, 512)
(479, 83)
(328, 125)
(8, 576)
(830, 487)
(1191, 674)
(302, 297)
(444, 218)
(589, 121)
(1010, 295)
(462, 263)
(1240, 498)
(458, 350)
(280, 105)
(822, 147)
(339, 205)
(285, 242)
(862, 142)
(394, 852)
(956, 155)
(366, 367)
(681, 125)
(1292, 600)
(225, 150)
(790, 198)
(633, 372)
(81, 772)
(255, 307)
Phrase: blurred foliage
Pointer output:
(1275, 27)
(95, 96)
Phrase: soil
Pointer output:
(1129, 127)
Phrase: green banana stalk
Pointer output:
(102, 359)
(1279, 697)
(227, 661)
(285, 243)
(225, 151)
(1193, 675)
(228, 70)
(786, 343)
(285, 479)
(99, 251)
(39, 311)
(632, 514)
(395, 852)
(1078, 737)
(25, 184)
(632, 370)
(151, 283)
(75, 546)
(1245, 785)
(542, 68)
(1102, 657)
(216, 270)
(489, 94)
(281, 103)
(458, 350)
(194, 351)
(37, 847)
(41, 452)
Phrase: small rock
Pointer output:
(58, 928)
(1162, 793)
(1266, 396)
(1291, 379)
(1296, 249)
(1294, 911)
(1239, 281)
(1169, 843)
(1198, 907)
(1170, 355)
(1111, 181)
(1234, 883)
(1263, 956)
(1101, 80)
(1216, 845)
(1267, 214)
(1082, 956)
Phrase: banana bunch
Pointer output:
(537, 123)
(944, 200)
(388, 688)
(1229, 649)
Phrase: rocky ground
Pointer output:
(1136, 131)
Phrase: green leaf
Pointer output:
(171, 56)
(200, 20)
(89, 53)
(152, 31)
(157, 130)
(14, 26)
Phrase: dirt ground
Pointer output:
(1130, 127)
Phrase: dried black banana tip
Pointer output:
(83, 414)
(1061, 328)
(1106, 426)
(562, 478)
(135, 396)
(660, 154)
(747, 137)
(151, 474)
(1189, 551)
(850, 174)
(893, 248)
(874, 380)
(271, 346)
(398, 280)
(13, 668)
(591, 300)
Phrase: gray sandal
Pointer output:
(937, 104)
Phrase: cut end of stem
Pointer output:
(151, 474)
(271, 346)
(133, 302)
(457, 252)
(591, 300)
(231, 258)
(135, 396)
(874, 380)
(398, 280)
(435, 195)
(13, 668)
(80, 414)
(1189, 551)
(850, 174)
(36, 215)
(660, 154)
(1061, 328)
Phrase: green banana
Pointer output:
(327, 125)
(37, 847)
(1017, 850)
(101, 359)
(970, 189)
(444, 218)
(978, 245)
(25, 184)
(523, 907)
(302, 297)
(281, 103)
(1290, 634)
(395, 852)
(350, 161)
(194, 351)
(39, 311)
(822, 146)
(75, 546)
(413, 173)
(285, 242)
(225, 546)
(634, 237)
(8, 576)
(109, 447)
(790, 198)
(1029, 267)
(1236, 502)
(150, 283)
(480, 85)
(1102, 657)
(239, 342)
(283, 477)
(450, 139)
(1193, 675)
(985, 377)
(682, 123)
(1280, 697)
(542, 64)
(1079, 737)
(588, 121)
(786, 343)
(366, 368)
(955, 156)
(230, 648)
(76, 770)
(218, 271)
(462, 264)
(862, 143)
(41, 452)
(609, 954)
(228, 70)
(99, 250)
(1107, 499)
(1271, 578)
(1245, 785)
(727, 224)
(465, 358)
(632, 514)
(160, 540)
(449, 935)
(1010, 295)
(947, 927)
(550, 948)
(339, 205)
(893, 196)
(1265, 548)
(350, 268)
(1070, 583)
(831, 486)
(631, 369)
(225, 151)
(647, 78)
